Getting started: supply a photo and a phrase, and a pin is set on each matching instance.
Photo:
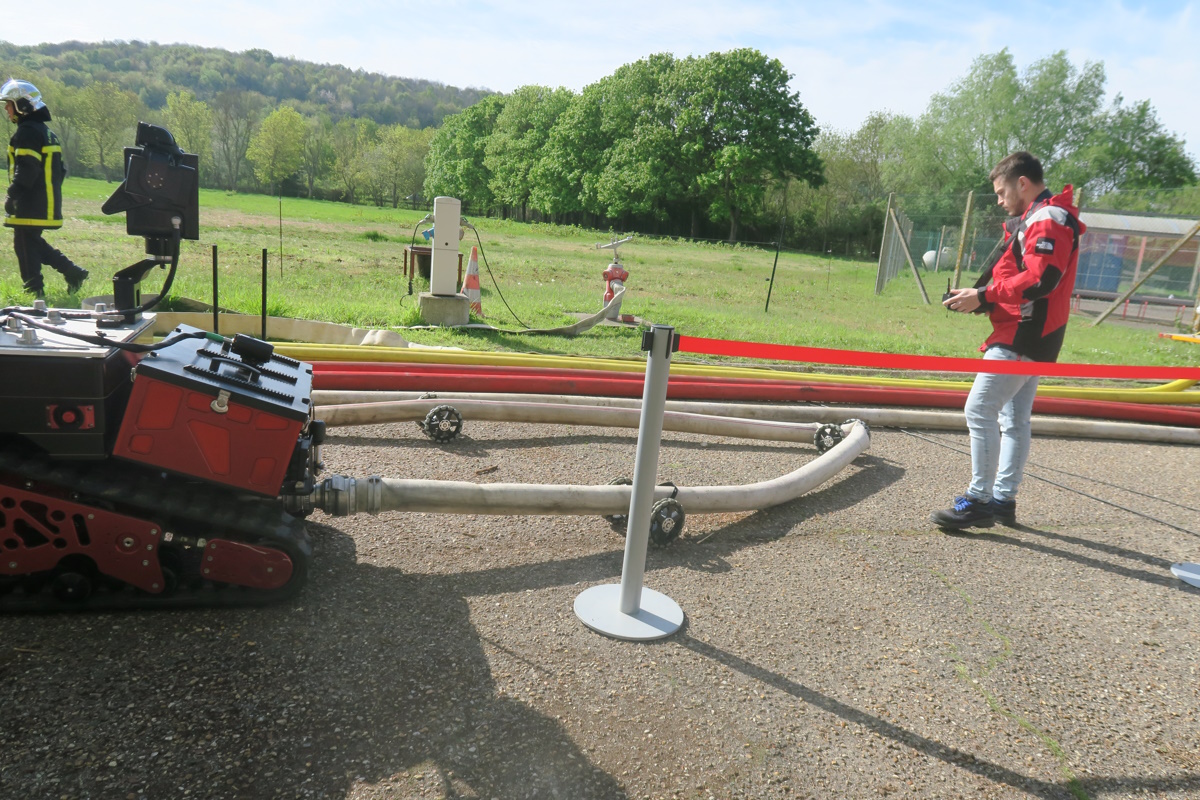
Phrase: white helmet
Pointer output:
(18, 91)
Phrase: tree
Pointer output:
(1050, 110)
(455, 165)
(352, 140)
(966, 130)
(517, 140)
(191, 122)
(235, 115)
(64, 103)
(402, 151)
(582, 143)
(1057, 107)
(107, 116)
(742, 124)
(318, 150)
(849, 206)
(648, 169)
(277, 149)
(1130, 149)
(373, 181)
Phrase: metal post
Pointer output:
(264, 294)
(887, 220)
(628, 610)
(908, 257)
(216, 308)
(1196, 316)
(778, 244)
(937, 259)
(1195, 273)
(1137, 267)
(962, 239)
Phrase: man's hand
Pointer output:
(964, 300)
(10, 205)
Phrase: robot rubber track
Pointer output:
(189, 515)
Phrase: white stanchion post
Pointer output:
(629, 610)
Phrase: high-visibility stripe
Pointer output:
(34, 223)
(46, 156)
(48, 151)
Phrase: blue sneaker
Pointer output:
(1005, 512)
(967, 513)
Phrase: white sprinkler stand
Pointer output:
(628, 610)
(1188, 573)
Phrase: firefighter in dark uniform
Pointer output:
(34, 199)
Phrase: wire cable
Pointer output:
(412, 267)
(493, 277)
(1116, 486)
(1079, 492)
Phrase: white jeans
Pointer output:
(998, 414)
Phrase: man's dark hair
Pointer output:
(1018, 165)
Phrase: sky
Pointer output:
(848, 59)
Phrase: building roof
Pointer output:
(1133, 224)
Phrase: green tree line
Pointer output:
(718, 146)
(683, 146)
(153, 71)
(1116, 155)
(258, 123)
(714, 146)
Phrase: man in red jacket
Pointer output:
(1027, 296)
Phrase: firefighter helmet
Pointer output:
(23, 94)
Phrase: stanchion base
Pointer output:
(1188, 573)
(600, 609)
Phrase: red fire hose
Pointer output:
(358, 376)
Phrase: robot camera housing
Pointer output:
(161, 182)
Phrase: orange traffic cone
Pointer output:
(471, 284)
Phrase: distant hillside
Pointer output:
(153, 70)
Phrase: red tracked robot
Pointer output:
(149, 475)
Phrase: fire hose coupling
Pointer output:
(343, 496)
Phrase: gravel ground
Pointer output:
(834, 647)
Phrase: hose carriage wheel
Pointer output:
(666, 521)
(442, 424)
(827, 437)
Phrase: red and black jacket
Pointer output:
(1028, 297)
(36, 171)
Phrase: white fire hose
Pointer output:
(801, 414)
(340, 495)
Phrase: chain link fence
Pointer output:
(1130, 233)
(1112, 263)
(931, 228)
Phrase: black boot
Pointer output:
(967, 513)
(73, 284)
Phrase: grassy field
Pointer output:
(343, 263)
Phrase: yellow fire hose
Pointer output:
(1168, 393)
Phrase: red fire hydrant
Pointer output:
(614, 280)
